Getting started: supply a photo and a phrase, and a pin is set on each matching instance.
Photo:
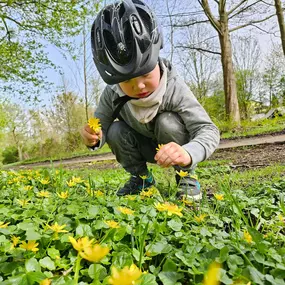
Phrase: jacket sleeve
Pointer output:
(203, 133)
(104, 112)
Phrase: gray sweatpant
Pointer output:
(133, 150)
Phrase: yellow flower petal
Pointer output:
(212, 277)
(126, 276)
(94, 253)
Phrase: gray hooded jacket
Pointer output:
(204, 135)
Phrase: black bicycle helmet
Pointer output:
(125, 40)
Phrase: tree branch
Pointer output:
(7, 31)
(205, 5)
(251, 23)
(236, 7)
(190, 24)
(244, 9)
(200, 49)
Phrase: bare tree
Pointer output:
(198, 67)
(226, 17)
(281, 22)
(247, 56)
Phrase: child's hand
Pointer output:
(90, 138)
(172, 154)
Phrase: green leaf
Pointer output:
(46, 262)
(148, 279)
(84, 230)
(159, 247)
(136, 254)
(32, 265)
(8, 267)
(274, 281)
(169, 265)
(32, 277)
(93, 211)
(224, 254)
(256, 276)
(122, 259)
(175, 224)
(31, 234)
(97, 271)
(205, 232)
(169, 278)
(53, 253)
(224, 277)
(119, 234)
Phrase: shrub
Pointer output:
(10, 155)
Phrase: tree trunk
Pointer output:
(85, 73)
(232, 106)
(280, 16)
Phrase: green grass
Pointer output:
(249, 128)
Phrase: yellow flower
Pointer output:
(247, 236)
(57, 228)
(3, 226)
(94, 124)
(71, 183)
(131, 197)
(28, 187)
(77, 180)
(112, 224)
(126, 210)
(148, 193)
(170, 208)
(159, 147)
(31, 245)
(187, 202)
(63, 195)
(143, 177)
(44, 194)
(219, 197)
(94, 253)
(45, 282)
(23, 202)
(44, 181)
(126, 276)
(200, 218)
(182, 173)
(98, 193)
(15, 240)
(212, 277)
(281, 218)
(81, 243)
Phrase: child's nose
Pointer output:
(140, 85)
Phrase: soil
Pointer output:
(254, 152)
(254, 156)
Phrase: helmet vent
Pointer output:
(138, 2)
(98, 38)
(122, 10)
(136, 24)
(147, 21)
(107, 17)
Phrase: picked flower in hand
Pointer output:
(94, 124)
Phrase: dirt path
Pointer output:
(247, 152)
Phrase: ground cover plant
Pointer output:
(65, 227)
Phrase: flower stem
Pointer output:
(77, 268)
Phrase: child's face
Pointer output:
(142, 86)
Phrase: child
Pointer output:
(151, 102)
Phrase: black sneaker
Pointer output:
(188, 188)
(136, 184)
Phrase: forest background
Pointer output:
(230, 53)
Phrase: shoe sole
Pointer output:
(196, 197)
